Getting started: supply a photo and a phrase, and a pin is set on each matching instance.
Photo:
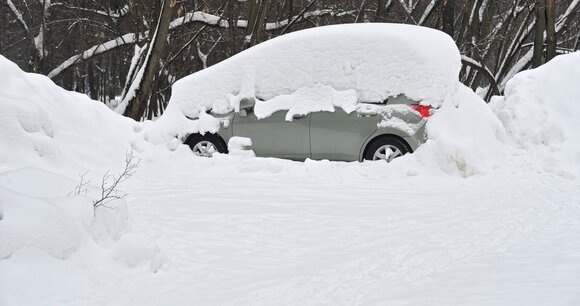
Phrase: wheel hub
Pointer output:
(387, 153)
(204, 148)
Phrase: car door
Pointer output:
(274, 136)
(340, 136)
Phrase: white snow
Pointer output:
(240, 146)
(538, 111)
(200, 17)
(420, 62)
(46, 126)
(307, 100)
(482, 214)
(49, 138)
(126, 39)
(465, 137)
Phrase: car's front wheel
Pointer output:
(206, 145)
(387, 148)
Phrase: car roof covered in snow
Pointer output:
(376, 60)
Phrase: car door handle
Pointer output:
(299, 117)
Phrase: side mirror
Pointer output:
(247, 103)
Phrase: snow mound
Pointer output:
(34, 222)
(465, 138)
(539, 109)
(376, 61)
(44, 125)
(48, 138)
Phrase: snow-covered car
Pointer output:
(336, 135)
(342, 92)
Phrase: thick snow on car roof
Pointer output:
(375, 60)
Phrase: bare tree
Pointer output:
(550, 29)
(137, 101)
(110, 183)
(103, 48)
(539, 33)
(449, 17)
(255, 25)
(545, 32)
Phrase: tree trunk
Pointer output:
(380, 10)
(550, 29)
(449, 17)
(138, 103)
(231, 22)
(93, 91)
(291, 9)
(254, 23)
(539, 36)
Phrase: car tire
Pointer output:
(206, 145)
(387, 148)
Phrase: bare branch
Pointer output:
(81, 189)
(110, 183)
(481, 68)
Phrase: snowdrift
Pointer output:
(465, 137)
(359, 62)
(46, 126)
(539, 113)
(533, 126)
(48, 138)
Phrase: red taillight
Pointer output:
(424, 110)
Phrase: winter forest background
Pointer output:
(103, 48)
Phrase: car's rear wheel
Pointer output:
(206, 145)
(387, 148)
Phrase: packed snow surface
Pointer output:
(474, 217)
(362, 62)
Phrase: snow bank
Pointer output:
(44, 125)
(376, 61)
(465, 137)
(534, 126)
(539, 112)
(48, 137)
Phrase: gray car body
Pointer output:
(323, 135)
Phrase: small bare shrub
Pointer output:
(110, 182)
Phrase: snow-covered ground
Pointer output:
(271, 232)
(486, 213)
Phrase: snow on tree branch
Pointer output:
(126, 39)
(17, 14)
(197, 16)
